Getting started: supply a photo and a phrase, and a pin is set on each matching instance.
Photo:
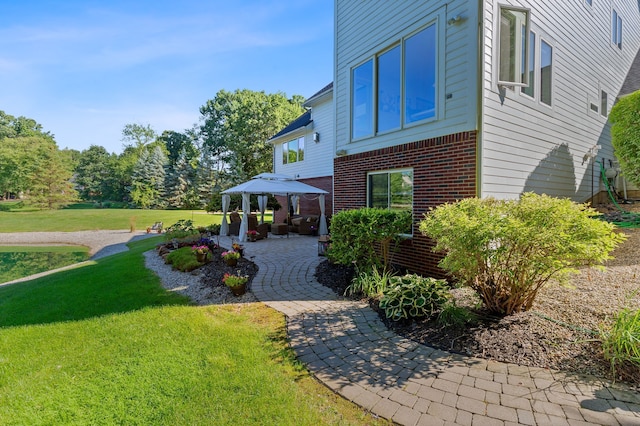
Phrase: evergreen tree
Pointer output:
(179, 181)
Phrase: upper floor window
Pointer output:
(530, 90)
(604, 103)
(546, 72)
(513, 45)
(397, 87)
(616, 29)
(589, 2)
(293, 151)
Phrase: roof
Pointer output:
(296, 124)
(326, 89)
(632, 82)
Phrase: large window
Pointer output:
(362, 98)
(513, 45)
(397, 87)
(616, 29)
(391, 189)
(293, 151)
(604, 105)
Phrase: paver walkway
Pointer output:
(346, 346)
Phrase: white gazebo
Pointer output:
(268, 183)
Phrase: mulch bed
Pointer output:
(560, 332)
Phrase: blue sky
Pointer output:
(84, 69)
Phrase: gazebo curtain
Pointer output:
(224, 228)
(262, 205)
(246, 211)
(323, 229)
(295, 202)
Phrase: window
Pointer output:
(530, 89)
(546, 72)
(362, 98)
(604, 107)
(420, 76)
(389, 69)
(391, 190)
(589, 2)
(616, 29)
(293, 151)
(513, 45)
(397, 87)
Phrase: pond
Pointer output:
(18, 261)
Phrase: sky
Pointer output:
(83, 69)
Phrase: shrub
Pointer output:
(369, 284)
(625, 135)
(355, 234)
(452, 315)
(183, 259)
(412, 296)
(507, 250)
(621, 343)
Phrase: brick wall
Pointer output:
(444, 169)
(309, 203)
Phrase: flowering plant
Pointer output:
(252, 232)
(235, 280)
(230, 254)
(236, 246)
(200, 249)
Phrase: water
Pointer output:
(19, 262)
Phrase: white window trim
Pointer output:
(388, 171)
(496, 48)
(436, 18)
(618, 44)
(535, 101)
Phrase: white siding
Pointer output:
(527, 146)
(318, 157)
(364, 28)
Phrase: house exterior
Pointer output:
(434, 101)
(305, 149)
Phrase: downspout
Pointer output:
(480, 96)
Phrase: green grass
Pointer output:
(105, 344)
(18, 262)
(86, 219)
(91, 219)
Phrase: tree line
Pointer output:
(169, 170)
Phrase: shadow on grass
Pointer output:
(115, 284)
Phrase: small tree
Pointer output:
(625, 133)
(356, 234)
(507, 250)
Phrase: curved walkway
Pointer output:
(346, 346)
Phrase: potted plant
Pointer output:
(238, 247)
(201, 252)
(236, 283)
(252, 234)
(231, 257)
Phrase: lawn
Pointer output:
(93, 219)
(106, 344)
(17, 262)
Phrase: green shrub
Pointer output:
(369, 284)
(621, 343)
(625, 135)
(507, 250)
(182, 229)
(183, 259)
(412, 296)
(452, 315)
(355, 235)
